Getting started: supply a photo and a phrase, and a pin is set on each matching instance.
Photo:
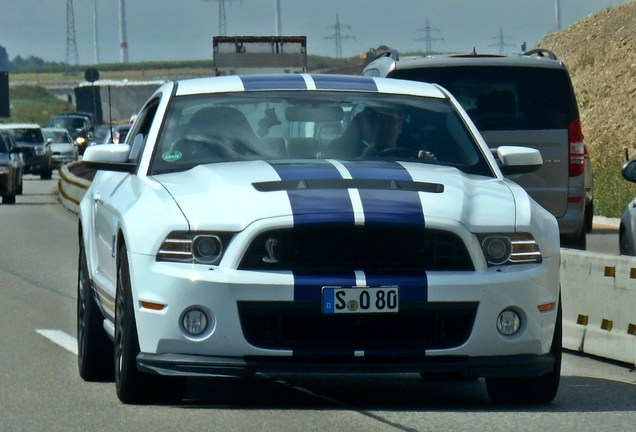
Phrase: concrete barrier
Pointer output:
(71, 188)
(598, 291)
(599, 304)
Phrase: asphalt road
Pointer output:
(40, 389)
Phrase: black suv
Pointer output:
(525, 100)
(35, 151)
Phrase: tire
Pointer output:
(624, 246)
(9, 198)
(579, 242)
(134, 387)
(46, 174)
(94, 348)
(589, 217)
(533, 390)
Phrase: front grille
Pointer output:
(388, 248)
(302, 326)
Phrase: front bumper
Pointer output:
(479, 367)
(226, 348)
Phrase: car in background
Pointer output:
(63, 149)
(117, 134)
(11, 169)
(110, 134)
(30, 141)
(79, 125)
(627, 226)
(525, 100)
(235, 252)
(100, 134)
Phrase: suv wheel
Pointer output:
(8, 198)
(46, 173)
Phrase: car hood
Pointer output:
(62, 147)
(234, 195)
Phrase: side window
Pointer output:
(139, 132)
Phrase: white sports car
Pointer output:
(314, 224)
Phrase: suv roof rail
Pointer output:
(541, 52)
(393, 53)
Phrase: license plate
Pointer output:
(339, 300)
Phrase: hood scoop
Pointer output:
(331, 183)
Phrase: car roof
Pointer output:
(55, 129)
(306, 82)
(478, 60)
(19, 126)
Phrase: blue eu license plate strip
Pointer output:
(348, 300)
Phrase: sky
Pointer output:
(160, 30)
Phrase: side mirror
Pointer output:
(109, 157)
(49, 141)
(517, 160)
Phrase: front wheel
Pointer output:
(94, 348)
(534, 390)
(134, 387)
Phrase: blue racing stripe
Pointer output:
(308, 287)
(344, 82)
(316, 205)
(274, 82)
(413, 285)
(397, 206)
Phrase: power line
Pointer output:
(338, 36)
(501, 43)
(71, 41)
(428, 38)
(222, 18)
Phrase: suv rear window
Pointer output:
(504, 98)
(28, 135)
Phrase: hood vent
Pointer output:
(327, 183)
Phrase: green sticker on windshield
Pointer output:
(172, 156)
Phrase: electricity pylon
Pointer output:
(338, 36)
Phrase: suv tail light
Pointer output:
(577, 148)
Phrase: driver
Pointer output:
(384, 128)
(369, 133)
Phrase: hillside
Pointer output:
(600, 52)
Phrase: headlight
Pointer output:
(189, 247)
(516, 248)
(40, 150)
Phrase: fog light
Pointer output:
(195, 322)
(508, 322)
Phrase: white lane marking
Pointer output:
(60, 338)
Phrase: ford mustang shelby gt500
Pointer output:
(314, 224)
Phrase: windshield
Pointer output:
(57, 136)
(314, 125)
(69, 122)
